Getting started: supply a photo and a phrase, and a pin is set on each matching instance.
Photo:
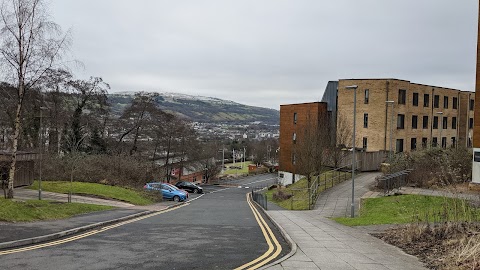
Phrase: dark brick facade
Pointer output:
(306, 114)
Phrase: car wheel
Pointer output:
(176, 199)
(195, 191)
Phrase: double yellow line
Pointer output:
(86, 234)
(273, 251)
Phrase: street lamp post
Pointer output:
(354, 87)
(41, 155)
(441, 128)
(390, 153)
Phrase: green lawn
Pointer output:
(103, 191)
(237, 171)
(409, 208)
(33, 210)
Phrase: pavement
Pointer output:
(321, 243)
(336, 201)
(317, 241)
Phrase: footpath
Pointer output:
(23, 233)
(324, 244)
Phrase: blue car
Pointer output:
(168, 192)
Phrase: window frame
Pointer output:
(413, 143)
(402, 96)
(400, 121)
(436, 101)
(414, 121)
(426, 100)
(425, 123)
(415, 99)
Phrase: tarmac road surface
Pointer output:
(218, 230)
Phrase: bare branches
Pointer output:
(30, 46)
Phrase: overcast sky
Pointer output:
(270, 52)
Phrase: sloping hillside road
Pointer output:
(219, 230)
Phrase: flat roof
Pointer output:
(306, 103)
(393, 79)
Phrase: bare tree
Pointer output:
(89, 95)
(311, 146)
(31, 45)
(55, 83)
(142, 115)
(337, 151)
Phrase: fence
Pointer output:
(394, 180)
(259, 196)
(319, 183)
(368, 161)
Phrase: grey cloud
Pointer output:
(277, 51)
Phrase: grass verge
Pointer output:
(299, 190)
(98, 190)
(34, 210)
(237, 171)
(409, 208)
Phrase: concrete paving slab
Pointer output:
(328, 245)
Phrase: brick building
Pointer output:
(294, 120)
(476, 128)
(417, 115)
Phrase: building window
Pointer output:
(470, 123)
(402, 96)
(454, 142)
(414, 121)
(472, 104)
(399, 145)
(434, 142)
(445, 102)
(436, 101)
(445, 122)
(366, 96)
(413, 143)
(425, 122)
(415, 99)
(435, 122)
(454, 122)
(401, 121)
(455, 103)
(426, 100)
(295, 118)
(444, 142)
(424, 142)
(365, 120)
(365, 143)
(294, 138)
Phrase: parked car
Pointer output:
(189, 186)
(168, 192)
(177, 188)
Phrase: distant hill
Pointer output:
(201, 109)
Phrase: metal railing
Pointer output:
(393, 181)
(319, 184)
(328, 180)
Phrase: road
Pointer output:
(215, 231)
